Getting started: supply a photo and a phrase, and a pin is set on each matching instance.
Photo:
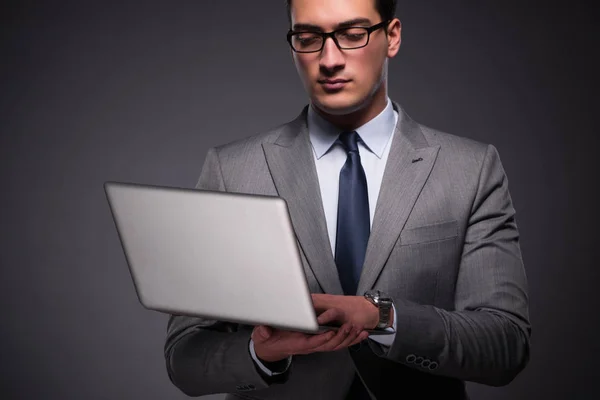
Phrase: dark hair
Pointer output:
(385, 8)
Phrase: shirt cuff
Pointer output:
(387, 340)
(262, 367)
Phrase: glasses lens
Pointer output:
(307, 41)
(352, 38)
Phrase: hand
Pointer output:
(273, 345)
(354, 309)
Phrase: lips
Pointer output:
(333, 84)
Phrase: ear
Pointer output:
(394, 33)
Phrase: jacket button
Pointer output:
(411, 358)
(433, 365)
(426, 363)
(418, 360)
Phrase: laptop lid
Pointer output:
(215, 255)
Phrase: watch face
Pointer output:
(372, 295)
(379, 298)
(377, 295)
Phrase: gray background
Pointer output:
(138, 91)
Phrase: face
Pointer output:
(341, 82)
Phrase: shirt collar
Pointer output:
(375, 134)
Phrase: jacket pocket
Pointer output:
(429, 233)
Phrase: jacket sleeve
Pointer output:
(485, 339)
(207, 356)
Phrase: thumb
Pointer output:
(265, 332)
(262, 333)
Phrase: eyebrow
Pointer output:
(345, 24)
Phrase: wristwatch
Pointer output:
(384, 303)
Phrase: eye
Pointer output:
(306, 38)
(353, 35)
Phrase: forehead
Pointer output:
(328, 13)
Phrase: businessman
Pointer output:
(401, 227)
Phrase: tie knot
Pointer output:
(350, 141)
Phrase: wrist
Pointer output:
(266, 358)
(269, 371)
(275, 366)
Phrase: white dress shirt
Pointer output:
(330, 156)
(374, 146)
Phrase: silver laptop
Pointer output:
(223, 256)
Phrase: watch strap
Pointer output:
(383, 304)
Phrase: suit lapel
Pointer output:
(409, 163)
(291, 164)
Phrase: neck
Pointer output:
(359, 117)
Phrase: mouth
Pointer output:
(331, 85)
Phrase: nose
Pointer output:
(332, 57)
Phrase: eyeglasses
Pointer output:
(353, 37)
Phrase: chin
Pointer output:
(338, 103)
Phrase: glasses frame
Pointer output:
(325, 35)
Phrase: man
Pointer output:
(419, 220)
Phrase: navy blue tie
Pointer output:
(353, 221)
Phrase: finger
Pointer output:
(261, 333)
(350, 338)
(331, 315)
(319, 302)
(362, 336)
(314, 341)
(340, 337)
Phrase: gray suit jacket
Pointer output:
(444, 244)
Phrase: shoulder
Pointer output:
(452, 143)
(252, 146)
(248, 145)
(463, 166)
(460, 155)
(457, 151)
